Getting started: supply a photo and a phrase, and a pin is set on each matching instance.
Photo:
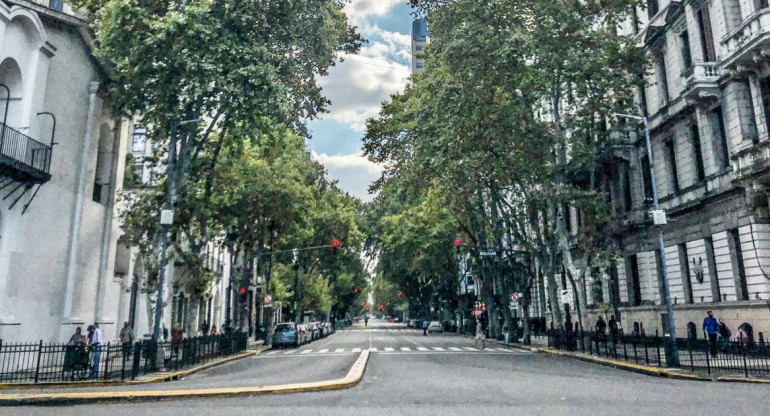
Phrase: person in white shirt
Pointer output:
(96, 350)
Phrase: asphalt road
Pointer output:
(409, 374)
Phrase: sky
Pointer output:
(357, 87)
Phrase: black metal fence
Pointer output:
(46, 363)
(732, 356)
(24, 149)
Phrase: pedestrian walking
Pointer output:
(213, 330)
(711, 329)
(95, 345)
(77, 337)
(127, 337)
(724, 334)
(425, 328)
(205, 328)
(479, 335)
(601, 325)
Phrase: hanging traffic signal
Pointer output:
(457, 242)
(243, 291)
(335, 245)
(355, 290)
(400, 293)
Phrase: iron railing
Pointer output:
(46, 363)
(733, 355)
(24, 149)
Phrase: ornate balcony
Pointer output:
(22, 158)
(752, 164)
(702, 83)
(749, 42)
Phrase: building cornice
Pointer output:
(49, 13)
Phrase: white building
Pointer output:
(419, 39)
(58, 232)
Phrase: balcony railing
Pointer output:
(703, 80)
(24, 153)
(752, 161)
(741, 42)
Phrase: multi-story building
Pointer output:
(61, 159)
(708, 102)
(419, 38)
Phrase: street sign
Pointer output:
(268, 299)
(515, 297)
(487, 253)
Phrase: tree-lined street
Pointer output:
(431, 378)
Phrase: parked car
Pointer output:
(316, 328)
(286, 334)
(435, 326)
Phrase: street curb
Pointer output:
(354, 376)
(651, 371)
(176, 375)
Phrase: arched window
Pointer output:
(692, 330)
(746, 333)
(10, 75)
(103, 171)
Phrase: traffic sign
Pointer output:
(487, 253)
(268, 299)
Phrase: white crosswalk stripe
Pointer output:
(373, 349)
(289, 352)
(306, 352)
(356, 349)
(273, 352)
(471, 349)
(388, 349)
(438, 349)
(339, 350)
(422, 349)
(325, 350)
(454, 349)
(405, 349)
(397, 350)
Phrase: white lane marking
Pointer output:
(289, 352)
(454, 349)
(273, 352)
(438, 349)
(405, 349)
(373, 349)
(471, 349)
(306, 352)
(388, 349)
(339, 350)
(323, 350)
(356, 349)
(422, 349)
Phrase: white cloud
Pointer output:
(358, 10)
(358, 86)
(354, 172)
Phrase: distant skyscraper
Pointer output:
(419, 37)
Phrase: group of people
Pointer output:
(80, 345)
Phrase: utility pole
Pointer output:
(659, 219)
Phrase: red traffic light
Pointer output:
(355, 290)
(400, 293)
(335, 243)
(242, 291)
(457, 242)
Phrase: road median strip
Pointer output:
(353, 377)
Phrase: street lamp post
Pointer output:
(672, 353)
(166, 219)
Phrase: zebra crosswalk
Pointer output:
(397, 350)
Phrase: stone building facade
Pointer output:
(707, 98)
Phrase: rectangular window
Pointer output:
(684, 38)
(628, 199)
(634, 287)
(764, 88)
(761, 4)
(697, 154)
(741, 285)
(718, 127)
(703, 15)
(647, 177)
(652, 8)
(671, 157)
(745, 90)
(643, 101)
(662, 77)
(419, 65)
(418, 47)
(568, 219)
(684, 268)
(716, 294)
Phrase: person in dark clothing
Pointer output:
(724, 335)
(711, 329)
(613, 324)
(601, 325)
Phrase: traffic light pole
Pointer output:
(165, 225)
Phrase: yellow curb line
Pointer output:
(176, 375)
(353, 377)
